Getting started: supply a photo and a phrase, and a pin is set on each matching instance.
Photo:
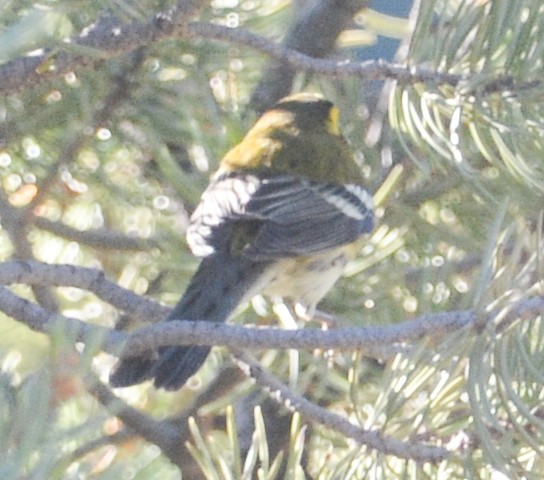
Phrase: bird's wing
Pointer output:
(293, 216)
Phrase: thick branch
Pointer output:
(368, 340)
(108, 38)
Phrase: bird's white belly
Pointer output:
(305, 280)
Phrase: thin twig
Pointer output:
(314, 413)
(41, 320)
(164, 434)
(81, 137)
(14, 224)
(99, 238)
(369, 70)
(116, 438)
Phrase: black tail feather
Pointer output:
(219, 285)
(177, 364)
(132, 370)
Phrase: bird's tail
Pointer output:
(219, 285)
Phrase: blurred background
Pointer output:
(102, 166)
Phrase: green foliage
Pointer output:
(493, 120)
(48, 425)
(219, 455)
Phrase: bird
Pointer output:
(282, 216)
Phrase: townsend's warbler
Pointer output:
(282, 216)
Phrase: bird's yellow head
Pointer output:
(300, 135)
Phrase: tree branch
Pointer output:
(106, 38)
(317, 414)
(40, 320)
(369, 340)
(98, 238)
(76, 140)
(37, 273)
(16, 227)
(368, 70)
(166, 435)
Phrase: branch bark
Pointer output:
(315, 413)
(165, 434)
(108, 38)
(170, 434)
(369, 340)
(36, 273)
